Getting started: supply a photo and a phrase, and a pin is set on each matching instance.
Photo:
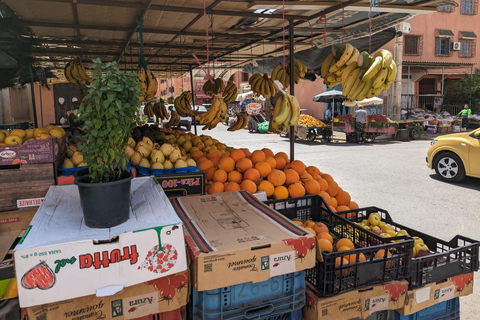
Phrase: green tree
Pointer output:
(466, 90)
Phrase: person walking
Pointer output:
(360, 120)
(464, 114)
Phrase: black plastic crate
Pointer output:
(460, 255)
(328, 278)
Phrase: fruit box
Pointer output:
(233, 238)
(434, 293)
(333, 276)
(33, 151)
(60, 258)
(358, 304)
(460, 255)
(141, 300)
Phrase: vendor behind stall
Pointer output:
(360, 119)
(464, 114)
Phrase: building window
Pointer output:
(244, 76)
(467, 49)
(469, 7)
(442, 46)
(445, 9)
(412, 45)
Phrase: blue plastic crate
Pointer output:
(447, 310)
(274, 299)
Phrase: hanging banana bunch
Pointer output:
(230, 93)
(262, 85)
(242, 122)
(286, 113)
(278, 73)
(75, 73)
(183, 105)
(215, 88)
(361, 75)
(217, 113)
(174, 120)
(148, 84)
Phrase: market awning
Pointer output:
(239, 31)
(467, 35)
(444, 33)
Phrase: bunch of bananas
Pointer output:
(230, 93)
(183, 105)
(214, 88)
(148, 84)
(361, 76)
(262, 85)
(278, 72)
(174, 119)
(286, 113)
(242, 122)
(75, 72)
(217, 113)
(157, 109)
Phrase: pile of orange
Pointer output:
(262, 170)
(310, 121)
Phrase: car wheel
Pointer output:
(449, 167)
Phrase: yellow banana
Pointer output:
(295, 107)
(356, 89)
(142, 78)
(366, 88)
(275, 71)
(380, 78)
(237, 125)
(68, 74)
(347, 53)
(353, 57)
(283, 113)
(326, 65)
(373, 69)
(392, 73)
(254, 77)
(347, 72)
(350, 81)
(386, 55)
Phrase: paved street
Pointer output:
(391, 175)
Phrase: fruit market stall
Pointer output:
(376, 125)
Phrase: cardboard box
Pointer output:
(234, 238)
(360, 303)
(431, 294)
(61, 258)
(33, 151)
(183, 184)
(132, 303)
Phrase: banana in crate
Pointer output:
(217, 113)
(148, 84)
(279, 73)
(242, 122)
(361, 75)
(262, 85)
(75, 73)
(286, 113)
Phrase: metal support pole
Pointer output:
(35, 121)
(193, 98)
(408, 90)
(470, 102)
(292, 83)
(443, 78)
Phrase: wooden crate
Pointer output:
(25, 181)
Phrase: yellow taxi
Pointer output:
(454, 156)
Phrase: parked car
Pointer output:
(454, 156)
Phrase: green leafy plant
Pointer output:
(109, 110)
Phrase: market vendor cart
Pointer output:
(310, 133)
(372, 130)
(413, 127)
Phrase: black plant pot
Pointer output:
(105, 204)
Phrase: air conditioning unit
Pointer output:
(406, 28)
(456, 46)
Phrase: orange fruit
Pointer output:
(312, 170)
(342, 208)
(322, 226)
(263, 168)
(312, 186)
(296, 190)
(220, 176)
(325, 245)
(232, 186)
(333, 202)
(280, 162)
(247, 152)
(216, 187)
(213, 153)
(381, 254)
(298, 166)
(268, 187)
(325, 196)
(248, 185)
(341, 262)
(291, 176)
(344, 242)
(325, 236)
(323, 184)
(300, 223)
(226, 163)
(310, 230)
(244, 164)
(343, 248)
(308, 224)
(277, 177)
(235, 176)
(204, 165)
(353, 258)
(305, 176)
(332, 209)
(284, 156)
(209, 173)
(268, 152)
(353, 205)
(237, 154)
(343, 198)
(280, 193)
(252, 174)
(197, 154)
(327, 177)
(258, 156)
(332, 188)
(215, 161)
(227, 154)
(271, 161)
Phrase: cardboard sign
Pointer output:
(360, 303)
(33, 151)
(61, 258)
(28, 203)
(431, 294)
(234, 238)
(152, 297)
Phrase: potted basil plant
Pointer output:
(109, 111)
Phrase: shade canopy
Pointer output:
(329, 96)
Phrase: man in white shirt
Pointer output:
(360, 120)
